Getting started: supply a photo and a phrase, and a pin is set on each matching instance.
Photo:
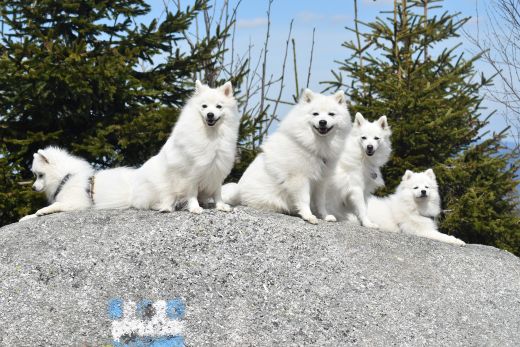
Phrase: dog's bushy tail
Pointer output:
(231, 194)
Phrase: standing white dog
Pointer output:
(290, 175)
(358, 173)
(412, 208)
(64, 179)
(200, 152)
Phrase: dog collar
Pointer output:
(60, 186)
(90, 188)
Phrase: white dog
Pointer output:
(412, 208)
(199, 154)
(64, 178)
(358, 174)
(290, 175)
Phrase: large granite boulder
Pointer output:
(246, 278)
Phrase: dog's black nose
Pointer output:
(323, 123)
(423, 192)
(370, 148)
(210, 115)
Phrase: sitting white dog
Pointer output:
(358, 173)
(291, 173)
(412, 209)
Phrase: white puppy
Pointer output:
(199, 154)
(358, 173)
(64, 178)
(290, 175)
(412, 208)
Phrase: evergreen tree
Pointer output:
(83, 74)
(431, 95)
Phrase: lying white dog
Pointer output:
(290, 175)
(358, 173)
(64, 178)
(412, 208)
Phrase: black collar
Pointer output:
(90, 188)
(60, 186)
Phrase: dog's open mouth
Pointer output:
(323, 130)
(212, 122)
(370, 153)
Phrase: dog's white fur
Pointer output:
(412, 208)
(197, 157)
(50, 166)
(358, 174)
(192, 164)
(291, 173)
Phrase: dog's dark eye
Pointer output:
(219, 106)
(332, 114)
(376, 138)
(415, 187)
(204, 106)
(315, 114)
(363, 137)
(40, 175)
(426, 187)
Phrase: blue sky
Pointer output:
(329, 18)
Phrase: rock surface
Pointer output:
(251, 278)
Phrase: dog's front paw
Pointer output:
(330, 218)
(311, 219)
(456, 241)
(29, 216)
(352, 218)
(196, 209)
(223, 207)
(368, 224)
(165, 208)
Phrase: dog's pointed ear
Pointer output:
(359, 119)
(340, 97)
(407, 175)
(41, 155)
(198, 86)
(383, 122)
(307, 96)
(227, 89)
(430, 173)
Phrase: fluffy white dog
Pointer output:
(191, 165)
(412, 208)
(199, 154)
(64, 178)
(358, 173)
(291, 173)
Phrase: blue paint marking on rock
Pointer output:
(147, 323)
(168, 341)
(142, 311)
(175, 309)
(115, 309)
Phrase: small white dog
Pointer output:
(412, 208)
(64, 178)
(358, 172)
(199, 154)
(291, 173)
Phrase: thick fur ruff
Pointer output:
(358, 173)
(198, 155)
(412, 209)
(290, 174)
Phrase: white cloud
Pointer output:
(308, 16)
(252, 22)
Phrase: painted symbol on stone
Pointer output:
(147, 323)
